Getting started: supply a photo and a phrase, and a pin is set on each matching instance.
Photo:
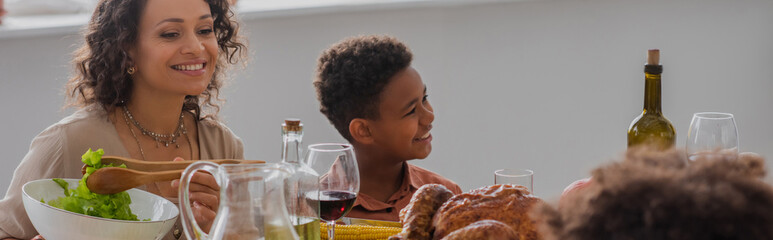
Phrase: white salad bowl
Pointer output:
(54, 223)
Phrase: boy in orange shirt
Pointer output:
(378, 102)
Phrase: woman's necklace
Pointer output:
(166, 139)
(127, 115)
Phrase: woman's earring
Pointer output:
(131, 70)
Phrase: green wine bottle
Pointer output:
(651, 127)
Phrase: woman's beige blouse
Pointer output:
(56, 153)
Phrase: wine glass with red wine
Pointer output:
(339, 181)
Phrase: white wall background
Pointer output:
(546, 85)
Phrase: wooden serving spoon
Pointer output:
(155, 166)
(112, 180)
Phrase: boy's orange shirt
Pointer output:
(369, 208)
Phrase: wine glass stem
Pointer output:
(331, 225)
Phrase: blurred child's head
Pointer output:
(657, 195)
(370, 93)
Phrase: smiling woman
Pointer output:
(146, 79)
(176, 51)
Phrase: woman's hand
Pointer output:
(573, 189)
(204, 196)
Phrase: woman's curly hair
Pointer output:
(102, 62)
(352, 74)
(658, 195)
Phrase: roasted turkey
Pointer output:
(434, 214)
(484, 230)
(508, 204)
(416, 217)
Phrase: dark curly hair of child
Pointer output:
(351, 75)
(659, 195)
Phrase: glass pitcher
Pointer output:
(252, 204)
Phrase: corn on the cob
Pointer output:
(360, 232)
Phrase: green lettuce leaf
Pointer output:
(82, 200)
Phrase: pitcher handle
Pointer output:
(190, 226)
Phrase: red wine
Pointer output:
(333, 204)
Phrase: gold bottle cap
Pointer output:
(292, 124)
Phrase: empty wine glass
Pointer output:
(339, 181)
(712, 132)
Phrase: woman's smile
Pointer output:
(194, 68)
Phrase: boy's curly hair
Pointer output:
(352, 74)
(657, 195)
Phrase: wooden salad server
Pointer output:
(155, 166)
(110, 180)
